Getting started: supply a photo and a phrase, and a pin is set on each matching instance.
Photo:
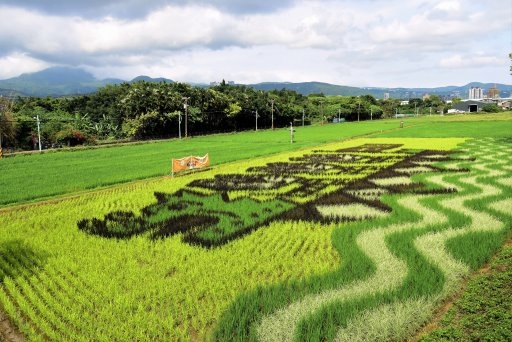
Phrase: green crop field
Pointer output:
(30, 177)
(328, 238)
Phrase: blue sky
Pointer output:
(392, 43)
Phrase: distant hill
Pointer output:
(150, 79)
(56, 81)
(307, 88)
(62, 81)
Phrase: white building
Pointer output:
(476, 93)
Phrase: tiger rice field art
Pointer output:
(353, 241)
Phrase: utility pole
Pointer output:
(272, 102)
(371, 114)
(358, 108)
(185, 106)
(339, 115)
(303, 113)
(38, 132)
(179, 125)
(291, 132)
(322, 111)
(256, 115)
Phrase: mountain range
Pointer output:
(65, 81)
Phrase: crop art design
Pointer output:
(323, 186)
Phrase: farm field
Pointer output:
(31, 177)
(34, 177)
(361, 239)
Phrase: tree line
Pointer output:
(147, 110)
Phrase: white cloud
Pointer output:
(136, 9)
(448, 6)
(364, 42)
(459, 61)
(16, 63)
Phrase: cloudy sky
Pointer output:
(388, 43)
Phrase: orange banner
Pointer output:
(190, 163)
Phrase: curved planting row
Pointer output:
(398, 270)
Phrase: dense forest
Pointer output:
(147, 110)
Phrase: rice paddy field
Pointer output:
(355, 232)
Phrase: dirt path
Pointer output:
(8, 332)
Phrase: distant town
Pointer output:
(477, 98)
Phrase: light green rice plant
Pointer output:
(411, 170)
(371, 194)
(356, 211)
(390, 181)
(390, 322)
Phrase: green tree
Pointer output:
(7, 122)
(491, 108)
(389, 107)
(376, 112)
(456, 100)
(71, 136)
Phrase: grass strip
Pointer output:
(484, 311)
